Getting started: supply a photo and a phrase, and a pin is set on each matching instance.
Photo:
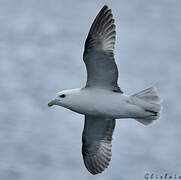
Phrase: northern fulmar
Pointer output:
(101, 100)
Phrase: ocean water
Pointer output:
(41, 47)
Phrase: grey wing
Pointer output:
(98, 55)
(96, 139)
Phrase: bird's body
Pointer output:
(104, 103)
(101, 100)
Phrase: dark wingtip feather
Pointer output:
(95, 164)
(105, 7)
(102, 32)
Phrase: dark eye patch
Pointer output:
(62, 95)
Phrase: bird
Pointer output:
(102, 101)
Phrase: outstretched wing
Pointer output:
(96, 139)
(98, 56)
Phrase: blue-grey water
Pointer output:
(41, 46)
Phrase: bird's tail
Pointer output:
(151, 102)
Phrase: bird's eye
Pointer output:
(62, 95)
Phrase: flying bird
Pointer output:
(101, 100)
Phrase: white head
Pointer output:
(66, 98)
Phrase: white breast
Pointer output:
(102, 103)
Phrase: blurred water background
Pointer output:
(41, 46)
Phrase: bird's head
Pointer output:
(65, 98)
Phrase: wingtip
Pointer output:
(105, 7)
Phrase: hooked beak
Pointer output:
(53, 102)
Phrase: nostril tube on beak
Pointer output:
(53, 102)
(50, 104)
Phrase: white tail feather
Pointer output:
(152, 104)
